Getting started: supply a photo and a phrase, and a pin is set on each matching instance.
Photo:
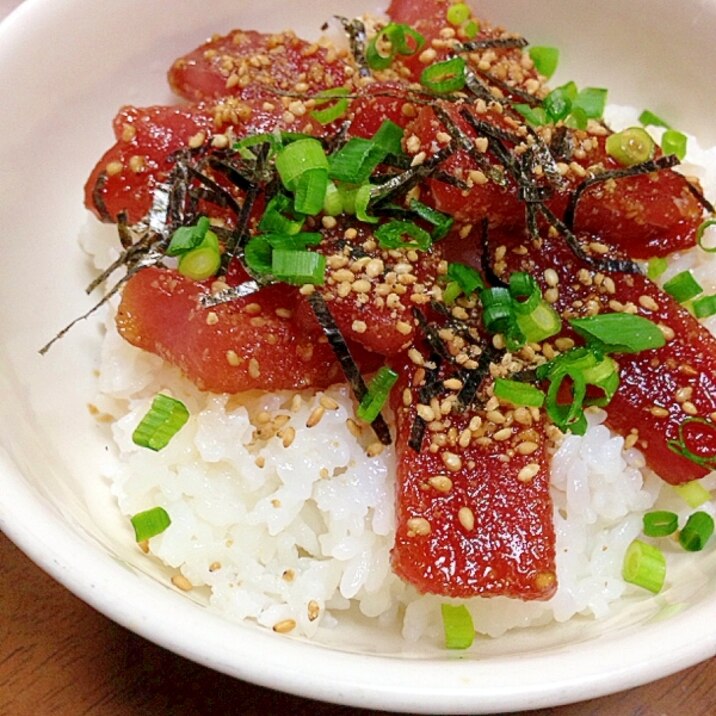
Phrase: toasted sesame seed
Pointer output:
(313, 610)
(658, 412)
(418, 526)
(196, 140)
(144, 546)
(631, 440)
(503, 434)
(113, 168)
(254, 368)
(211, 318)
(496, 417)
(689, 408)
(287, 435)
(648, 302)
(452, 461)
(284, 312)
(425, 412)
(315, 417)
(527, 447)
(328, 403)
(667, 331)
(181, 582)
(137, 163)
(441, 483)
(528, 472)
(466, 517)
(359, 326)
(683, 394)
(285, 626)
(232, 358)
(551, 277)
(215, 566)
(374, 449)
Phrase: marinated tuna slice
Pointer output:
(648, 215)
(661, 390)
(371, 292)
(148, 138)
(474, 514)
(251, 342)
(243, 63)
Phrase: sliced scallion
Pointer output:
(673, 142)
(298, 267)
(163, 421)
(310, 191)
(378, 392)
(648, 118)
(696, 532)
(398, 234)
(683, 287)
(442, 222)
(458, 13)
(700, 235)
(630, 146)
(298, 157)
(467, 279)
(200, 264)
(444, 77)
(645, 566)
(150, 523)
(337, 105)
(458, 626)
(656, 267)
(186, 238)
(704, 307)
(620, 332)
(518, 393)
(660, 523)
(545, 59)
(699, 445)
(693, 493)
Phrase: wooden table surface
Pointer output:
(60, 656)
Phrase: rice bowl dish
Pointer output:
(281, 545)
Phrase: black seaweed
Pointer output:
(346, 360)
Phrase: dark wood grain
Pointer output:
(60, 656)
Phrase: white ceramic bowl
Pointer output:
(65, 67)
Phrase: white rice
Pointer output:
(302, 533)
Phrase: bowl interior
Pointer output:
(54, 504)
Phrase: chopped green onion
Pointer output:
(705, 306)
(200, 264)
(471, 28)
(540, 323)
(660, 523)
(645, 566)
(536, 116)
(467, 279)
(442, 222)
(444, 77)
(298, 267)
(299, 157)
(458, 13)
(519, 393)
(337, 97)
(458, 626)
(355, 161)
(583, 366)
(363, 196)
(243, 145)
(402, 235)
(451, 293)
(545, 58)
(257, 255)
(186, 238)
(394, 39)
(378, 392)
(619, 332)
(683, 287)
(630, 146)
(279, 218)
(673, 142)
(648, 118)
(150, 523)
(165, 418)
(332, 201)
(700, 235)
(702, 438)
(693, 493)
(696, 532)
(656, 267)
(310, 191)
(558, 103)
(591, 101)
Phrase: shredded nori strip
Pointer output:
(507, 43)
(431, 387)
(472, 380)
(98, 200)
(598, 264)
(346, 360)
(405, 181)
(246, 288)
(562, 145)
(355, 29)
(492, 278)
